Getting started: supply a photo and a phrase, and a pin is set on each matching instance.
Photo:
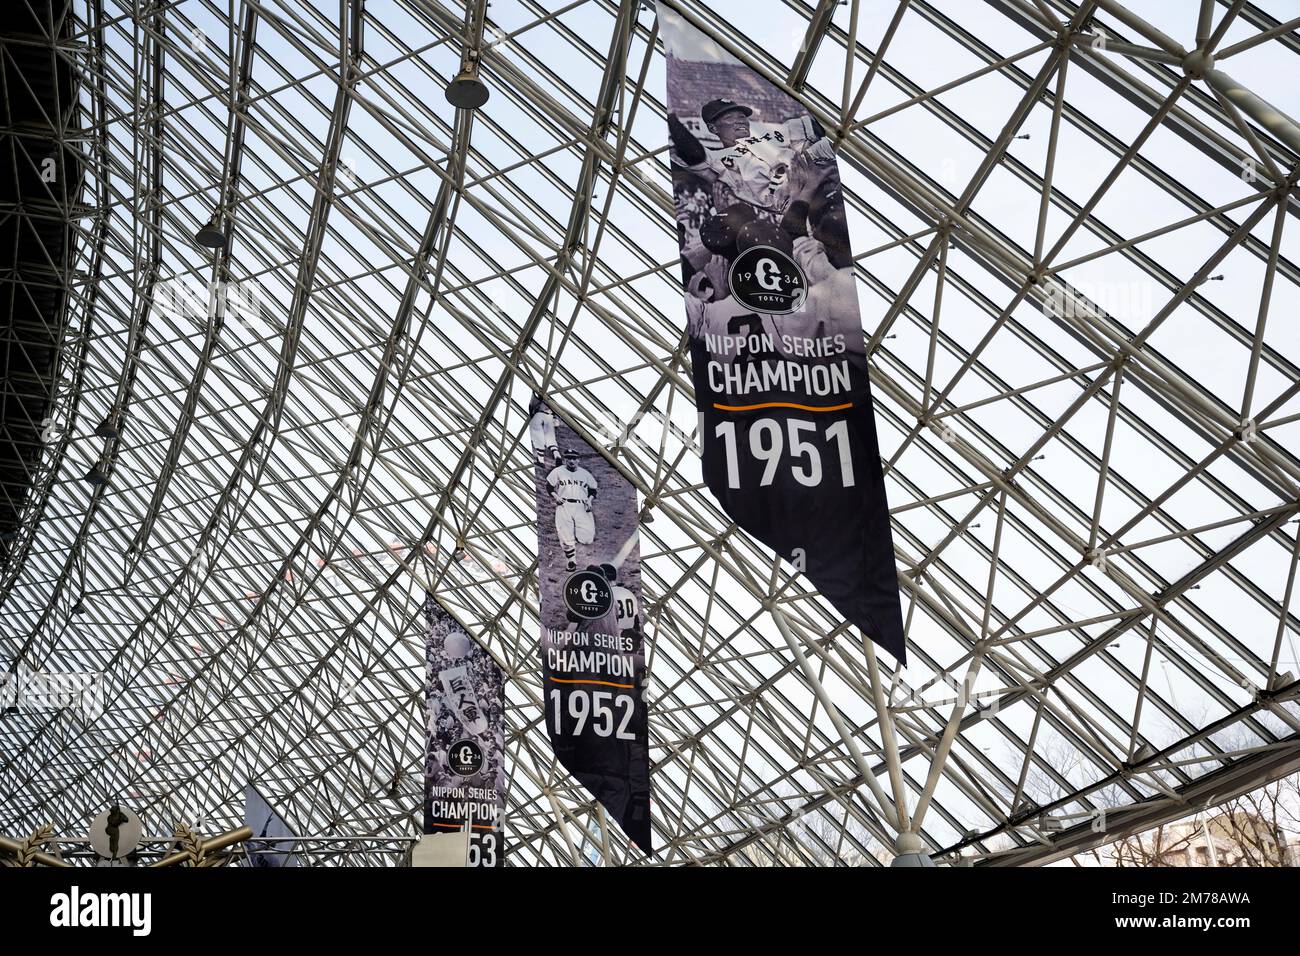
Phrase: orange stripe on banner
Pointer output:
(602, 683)
(802, 408)
(457, 826)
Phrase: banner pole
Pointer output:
(562, 825)
(980, 648)
(604, 834)
(831, 711)
(885, 720)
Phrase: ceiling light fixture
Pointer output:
(97, 476)
(211, 234)
(466, 91)
(110, 427)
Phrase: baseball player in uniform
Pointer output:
(753, 169)
(541, 429)
(627, 608)
(574, 489)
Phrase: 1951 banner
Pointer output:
(465, 752)
(593, 650)
(777, 349)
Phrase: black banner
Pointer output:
(593, 648)
(266, 848)
(778, 354)
(465, 753)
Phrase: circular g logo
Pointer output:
(768, 275)
(465, 758)
(587, 595)
(767, 280)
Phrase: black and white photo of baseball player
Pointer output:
(774, 190)
(627, 603)
(753, 170)
(773, 320)
(465, 772)
(541, 430)
(751, 166)
(573, 490)
(587, 517)
(592, 642)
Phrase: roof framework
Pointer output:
(1084, 368)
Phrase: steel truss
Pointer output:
(1094, 508)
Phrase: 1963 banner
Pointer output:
(465, 753)
(777, 349)
(593, 651)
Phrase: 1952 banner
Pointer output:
(465, 751)
(777, 349)
(593, 650)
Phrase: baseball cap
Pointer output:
(715, 108)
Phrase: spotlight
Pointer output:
(109, 427)
(466, 91)
(211, 235)
(79, 607)
(97, 476)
